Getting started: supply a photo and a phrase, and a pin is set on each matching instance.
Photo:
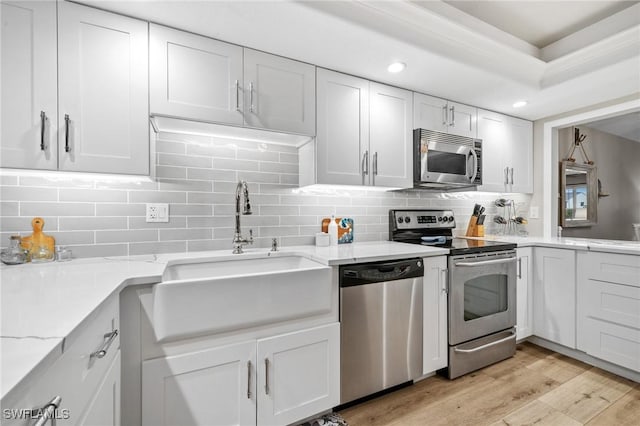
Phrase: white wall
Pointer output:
(197, 176)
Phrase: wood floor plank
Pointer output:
(588, 394)
(623, 412)
(537, 413)
(559, 367)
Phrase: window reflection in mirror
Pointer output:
(579, 192)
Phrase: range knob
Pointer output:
(439, 218)
(400, 219)
(407, 219)
(450, 218)
(444, 219)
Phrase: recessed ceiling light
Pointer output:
(519, 104)
(396, 67)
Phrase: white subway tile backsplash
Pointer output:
(197, 176)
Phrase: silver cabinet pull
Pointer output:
(445, 280)
(266, 376)
(488, 345)
(444, 115)
(519, 268)
(237, 95)
(374, 168)
(251, 108)
(248, 379)
(48, 412)
(453, 116)
(511, 172)
(365, 163)
(67, 123)
(108, 340)
(43, 124)
(506, 176)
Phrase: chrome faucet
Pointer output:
(238, 239)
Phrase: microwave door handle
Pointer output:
(475, 164)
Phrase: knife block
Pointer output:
(473, 229)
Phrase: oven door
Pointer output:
(482, 294)
(443, 162)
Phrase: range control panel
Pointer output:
(421, 219)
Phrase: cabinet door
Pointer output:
(29, 85)
(215, 385)
(430, 113)
(104, 408)
(279, 93)
(194, 77)
(520, 141)
(524, 297)
(343, 129)
(298, 375)
(104, 91)
(554, 295)
(492, 130)
(391, 137)
(463, 119)
(434, 345)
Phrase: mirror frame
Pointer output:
(592, 195)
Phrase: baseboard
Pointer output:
(587, 359)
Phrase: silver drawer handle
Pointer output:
(48, 412)
(43, 124)
(487, 262)
(488, 345)
(102, 352)
(445, 281)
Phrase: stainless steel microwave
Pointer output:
(444, 161)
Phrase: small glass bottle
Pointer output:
(41, 254)
(14, 254)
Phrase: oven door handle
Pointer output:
(486, 262)
(488, 345)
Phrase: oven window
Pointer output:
(485, 295)
(446, 162)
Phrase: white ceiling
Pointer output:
(540, 23)
(626, 126)
(448, 52)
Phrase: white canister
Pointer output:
(322, 239)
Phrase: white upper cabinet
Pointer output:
(103, 91)
(343, 128)
(364, 132)
(507, 153)
(194, 76)
(390, 136)
(443, 116)
(29, 85)
(279, 93)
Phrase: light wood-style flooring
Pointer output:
(536, 386)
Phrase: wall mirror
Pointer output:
(578, 194)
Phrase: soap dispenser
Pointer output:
(333, 231)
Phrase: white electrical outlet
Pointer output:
(158, 212)
(534, 212)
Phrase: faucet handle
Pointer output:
(274, 244)
(250, 240)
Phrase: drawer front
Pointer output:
(75, 375)
(616, 303)
(611, 342)
(614, 268)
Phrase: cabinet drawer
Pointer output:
(611, 342)
(614, 268)
(606, 301)
(76, 375)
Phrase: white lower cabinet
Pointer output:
(435, 343)
(104, 408)
(554, 295)
(608, 324)
(524, 304)
(276, 380)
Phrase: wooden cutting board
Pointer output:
(38, 239)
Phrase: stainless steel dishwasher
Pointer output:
(381, 326)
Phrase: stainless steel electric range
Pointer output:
(481, 290)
